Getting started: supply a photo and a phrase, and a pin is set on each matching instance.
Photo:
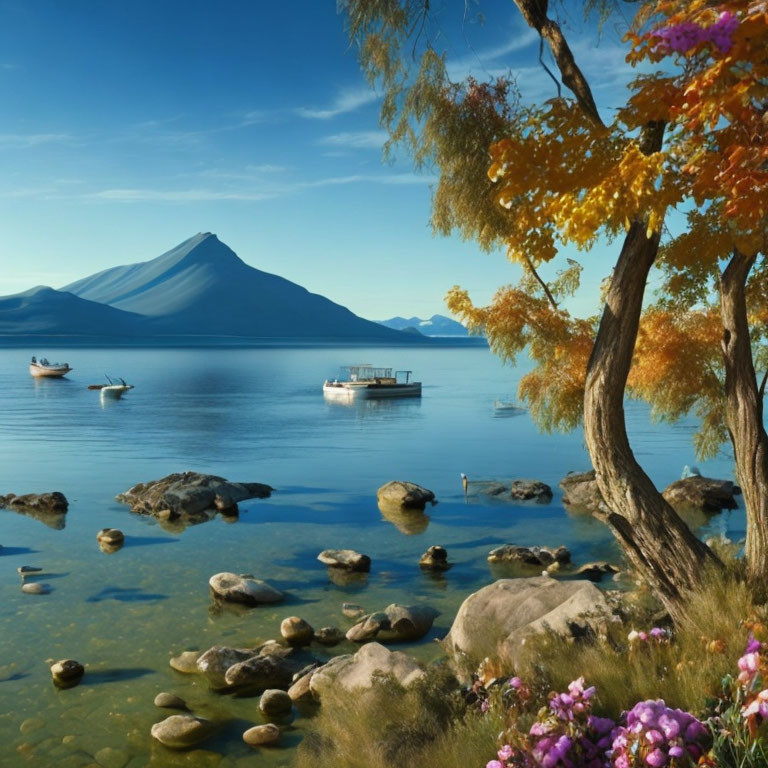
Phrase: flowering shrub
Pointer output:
(684, 37)
(656, 635)
(657, 736)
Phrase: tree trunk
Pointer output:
(658, 543)
(744, 413)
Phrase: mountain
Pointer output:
(437, 325)
(201, 287)
(43, 311)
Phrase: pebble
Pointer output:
(352, 610)
(261, 734)
(110, 536)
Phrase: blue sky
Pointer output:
(127, 127)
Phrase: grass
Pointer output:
(430, 725)
(427, 724)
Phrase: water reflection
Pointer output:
(407, 521)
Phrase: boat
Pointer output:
(115, 388)
(503, 405)
(43, 369)
(365, 381)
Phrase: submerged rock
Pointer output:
(524, 490)
(260, 735)
(434, 559)
(347, 559)
(67, 673)
(352, 610)
(537, 556)
(703, 494)
(358, 671)
(496, 620)
(243, 589)
(405, 494)
(182, 731)
(190, 495)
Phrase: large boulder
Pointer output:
(191, 496)
(182, 731)
(243, 589)
(703, 494)
(358, 671)
(496, 620)
(536, 556)
(401, 493)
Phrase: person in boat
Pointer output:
(34, 360)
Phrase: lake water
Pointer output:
(252, 415)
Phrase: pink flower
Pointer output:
(494, 764)
(505, 752)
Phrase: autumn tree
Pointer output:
(535, 177)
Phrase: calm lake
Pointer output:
(252, 415)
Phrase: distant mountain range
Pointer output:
(200, 288)
(437, 325)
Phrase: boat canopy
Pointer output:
(365, 372)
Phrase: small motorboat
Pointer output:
(365, 381)
(43, 369)
(506, 408)
(115, 388)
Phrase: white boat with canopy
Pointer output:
(365, 381)
(43, 369)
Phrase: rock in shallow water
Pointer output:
(260, 673)
(435, 559)
(215, 662)
(241, 589)
(67, 673)
(296, 631)
(702, 493)
(261, 735)
(329, 636)
(185, 662)
(169, 701)
(110, 536)
(523, 490)
(347, 559)
(405, 494)
(274, 702)
(189, 494)
(41, 502)
(182, 731)
(538, 556)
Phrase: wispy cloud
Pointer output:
(485, 58)
(20, 140)
(267, 192)
(355, 139)
(348, 100)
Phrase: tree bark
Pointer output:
(658, 543)
(744, 413)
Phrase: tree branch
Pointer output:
(544, 286)
(535, 13)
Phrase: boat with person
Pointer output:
(366, 381)
(115, 388)
(42, 368)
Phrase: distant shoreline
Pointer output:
(231, 342)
